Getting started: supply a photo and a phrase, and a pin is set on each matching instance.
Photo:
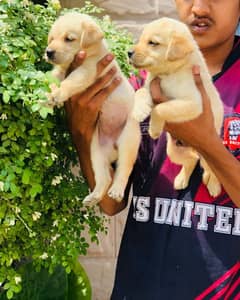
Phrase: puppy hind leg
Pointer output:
(210, 179)
(182, 179)
(184, 156)
(128, 144)
(102, 175)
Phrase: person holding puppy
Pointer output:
(179, 244)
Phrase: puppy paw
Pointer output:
(212, 183)
(53, 87)
(140, 114)
(154, 131)
(180, 182)
(91, 199)
(153, 134)
(142, 105)
(56, 97)
(156, 126)
(116, 192)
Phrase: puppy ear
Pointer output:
(91, 35)
(178, 48)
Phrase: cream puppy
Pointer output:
(166, 49)
(117, 134)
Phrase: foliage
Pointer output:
(56, 286)
(41, 212)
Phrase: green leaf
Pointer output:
(52, 79)
(17, 288)
(9, 294)
(44, 111)
(36, 189)
(26, 176)
(3, 62)
(14, 189)
(6, 96)
(68, 269)
(36, 107)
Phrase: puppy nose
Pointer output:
(130, 53)
(50, 53)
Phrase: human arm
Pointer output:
(82, 111)
(200, 133)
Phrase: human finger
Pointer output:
(156, 92)
(200, 86)
(105, 92)
(78, 60)
(101, 82)
(104, 62)
(68, 107)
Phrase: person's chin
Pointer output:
(204, 41)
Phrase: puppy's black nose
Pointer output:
(130, 53)
(50, 53)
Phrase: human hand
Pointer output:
(197, 133)
(83, 109)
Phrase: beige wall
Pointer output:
(100, 261)
(131, 14)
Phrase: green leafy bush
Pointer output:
(41, 213)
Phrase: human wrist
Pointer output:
(82, 136)
(210, 146)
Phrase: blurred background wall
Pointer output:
(131, 14)
(101, 259)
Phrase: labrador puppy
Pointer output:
(117, 134)
(167, 49)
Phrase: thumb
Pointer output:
(196, 75)
(156, 92)
(200, 86)
(78, 60)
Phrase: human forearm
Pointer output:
(82, 145)
(225, 166)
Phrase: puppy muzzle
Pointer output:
(50, 54)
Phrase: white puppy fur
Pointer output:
(117, 134)
(167, 49)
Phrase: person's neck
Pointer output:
(216, 56)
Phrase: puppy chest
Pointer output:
(178, 86)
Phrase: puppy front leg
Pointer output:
(156, 124)
(142, 104)
(76, 82)
(176, 110)
(100, 164)
(59, 73)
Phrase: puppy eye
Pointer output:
(152, 43)
(69, 39)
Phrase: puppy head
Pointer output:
(163, 44)
(69, 34)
